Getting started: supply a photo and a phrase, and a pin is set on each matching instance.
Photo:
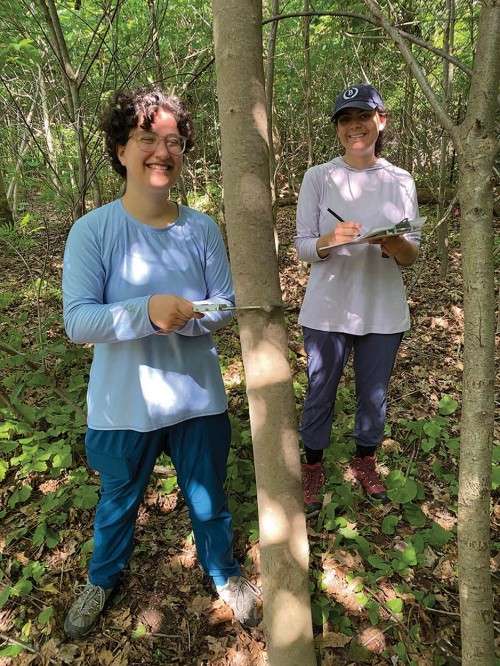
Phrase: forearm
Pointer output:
(87, 322)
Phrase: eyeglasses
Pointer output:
(149, 142)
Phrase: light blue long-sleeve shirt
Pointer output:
(141, 379)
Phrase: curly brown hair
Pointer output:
(128, 107)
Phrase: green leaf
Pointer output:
(395, 605)
(400, 650)
(432, 429)
(45, 616)
(404, 494)
(373, 610)
(4, 466)
(11, 651)
(15, 535)
(389, 524)
(320, 611)
(378, 563)
(437, 536)
(39, 534)
(427, 445)
(495, 477)
(22, 587)
(85, 496)
(361, 598)
(20, 495)
(453, 444)
(409, 555)
(139, 632)
(395, 479)
(63, 458)
(169, 484)
(4, 596)
(348, 532)
(447, 405)
(51, 538)
(414, 515)
(34, 570)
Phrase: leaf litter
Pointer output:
(385, 585)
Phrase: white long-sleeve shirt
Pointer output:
(354, 289)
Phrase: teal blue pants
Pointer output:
(125, 459)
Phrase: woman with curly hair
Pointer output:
(133, 269)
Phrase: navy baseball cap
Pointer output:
(359, 96)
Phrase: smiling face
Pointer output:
(358, 130)
(155, 170)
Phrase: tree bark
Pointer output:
(476, 146)
(271, 48)
(476, 151)
(307, 84)
(442, 236)
(245, 166)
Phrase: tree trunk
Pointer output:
(476, 146)
(283, 538)
(74, 105)
(271, 49)
(307, 85)
(442, 235)
(476, 153)
(476, 609)
(6, 218)
(47, 132)
(155, 38)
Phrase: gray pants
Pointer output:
(327, 354)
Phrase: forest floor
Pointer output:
(383, 576)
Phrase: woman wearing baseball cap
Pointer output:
(355, 298)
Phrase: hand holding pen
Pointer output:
(343, 233)
(340, 219)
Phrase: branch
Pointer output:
(197, 74)
(416, 70)
(30, 130)
(81, 78)
(375, 22)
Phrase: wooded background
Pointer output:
(59, 64)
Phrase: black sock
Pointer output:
(313, 455)
(363, 451)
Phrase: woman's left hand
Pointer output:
(402, 250)
(390, 246)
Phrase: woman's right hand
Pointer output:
(343, 233)
(169, 312)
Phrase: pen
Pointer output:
(340, 219)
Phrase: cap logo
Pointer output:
(350, 93)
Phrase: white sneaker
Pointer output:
(241, 596)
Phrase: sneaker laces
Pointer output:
(242, 587)
(91, 600)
